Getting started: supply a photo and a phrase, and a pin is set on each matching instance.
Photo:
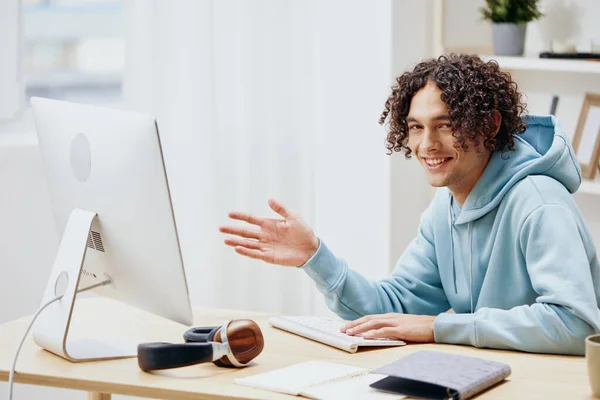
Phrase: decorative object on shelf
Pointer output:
(563, 47)
(586, 141)
(509, 23)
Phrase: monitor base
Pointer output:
(51, 329)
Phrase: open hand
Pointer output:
(411, 328)
(289, 241)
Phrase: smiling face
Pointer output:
(430, 139)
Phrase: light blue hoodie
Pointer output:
(516, 264)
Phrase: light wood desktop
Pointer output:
(533, 376)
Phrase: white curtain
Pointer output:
(267, 98)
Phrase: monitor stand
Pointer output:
(51, 328)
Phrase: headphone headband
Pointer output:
(205, 344)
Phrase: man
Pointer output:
(502, 244)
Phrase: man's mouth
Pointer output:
(434, 163)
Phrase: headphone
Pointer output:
(233, 344)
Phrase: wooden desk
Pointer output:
(533, 376)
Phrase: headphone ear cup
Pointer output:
(201, 334)
(245, 340)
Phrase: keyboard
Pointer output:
(327, 331)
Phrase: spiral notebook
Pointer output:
(320, 380)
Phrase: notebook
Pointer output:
(320, 380)
(436, 375)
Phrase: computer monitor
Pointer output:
(111, 203)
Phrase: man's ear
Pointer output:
(497, 117)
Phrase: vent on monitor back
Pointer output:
(95, 241)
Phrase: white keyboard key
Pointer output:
(326, 330)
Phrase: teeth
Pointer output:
(435, 161)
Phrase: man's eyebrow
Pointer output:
(442, 117)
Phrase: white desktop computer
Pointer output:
(111, 203)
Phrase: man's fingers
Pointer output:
(259, 255)
(241, 231)
(369, 325)
(356, 322)
(383, 333)
(362, 320)
(246, 217)
(279, 208)
(250, 244)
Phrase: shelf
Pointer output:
(589, 187)
(546, 64)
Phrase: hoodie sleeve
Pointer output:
(414, 287)
(565, 311)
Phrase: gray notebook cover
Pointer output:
(436, 375)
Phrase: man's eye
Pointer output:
(415, 127)
(445, 126)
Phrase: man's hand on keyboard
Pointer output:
(412, 328)
(289, 241)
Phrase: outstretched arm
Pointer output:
(413, 288)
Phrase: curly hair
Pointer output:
(472, 89)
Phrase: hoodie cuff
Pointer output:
(324, 268)
(455, 329)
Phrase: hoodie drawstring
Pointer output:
(469, 234)
(452, 244)
(470, 265)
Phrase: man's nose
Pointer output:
(430, 141)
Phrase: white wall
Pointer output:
(463, 27)
(29, 238)
(28, 241)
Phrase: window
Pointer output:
(70, 50)
(73, 50)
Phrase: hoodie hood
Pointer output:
(543, 149)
